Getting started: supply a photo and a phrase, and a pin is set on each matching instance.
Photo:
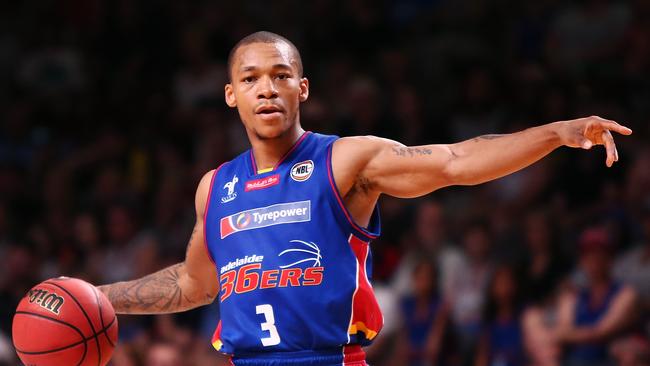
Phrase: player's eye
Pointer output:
(248, 79)
(283, 76)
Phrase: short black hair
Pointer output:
(263, 37)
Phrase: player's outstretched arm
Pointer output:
(385, 166)
(180, 287)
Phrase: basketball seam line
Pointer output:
(56, 321)
(101, 316)
(92, 326)
(68, 346)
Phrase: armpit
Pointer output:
(362, 185)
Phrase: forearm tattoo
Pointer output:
(156, 293)
(411, 151)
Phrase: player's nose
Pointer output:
(267, 89)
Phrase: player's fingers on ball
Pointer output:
(610, 147)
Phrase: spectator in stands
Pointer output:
(501, 337)
(428, 239)
(546, 269)
(633, 267)
(164, 354)
(591, 316)
(423, 318)
(467, 288)
(545, 265)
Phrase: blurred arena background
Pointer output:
(110, 112)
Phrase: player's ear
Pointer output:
(230, 96)
(304, 89)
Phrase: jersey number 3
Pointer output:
(269, 325)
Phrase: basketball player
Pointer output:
(283, 230)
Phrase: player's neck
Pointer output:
(268, 152)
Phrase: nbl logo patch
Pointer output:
(300, 172)
(283, 213)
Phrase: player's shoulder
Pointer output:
(207, 178)
(205, 187)
(367, 144)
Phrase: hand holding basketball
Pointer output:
(64, 321)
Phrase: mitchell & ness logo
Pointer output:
(254, 185)
(283, 213)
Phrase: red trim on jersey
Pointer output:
(353, 354)
(205, 214)
(295, 145)
(338, 197)
(253, 162)
(217, 334)
(300, 140)
(366, 314)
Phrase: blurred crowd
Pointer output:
(111, 111)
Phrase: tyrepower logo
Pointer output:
(257, 184)
(283, 213)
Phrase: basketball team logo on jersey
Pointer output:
(230, 188)
(283, 213)
(312, 254)
(300, 172)
(245, 274)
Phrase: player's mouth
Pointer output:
(269, 111)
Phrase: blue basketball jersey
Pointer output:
(294, 269)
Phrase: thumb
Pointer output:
(586, 144)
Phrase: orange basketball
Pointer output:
(64, 321)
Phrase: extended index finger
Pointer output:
(614, 126)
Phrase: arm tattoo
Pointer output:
(411, 151)
(189, 244)
(156, 293)
(486, 137)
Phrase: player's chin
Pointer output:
(271, 124)
(269, 128)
